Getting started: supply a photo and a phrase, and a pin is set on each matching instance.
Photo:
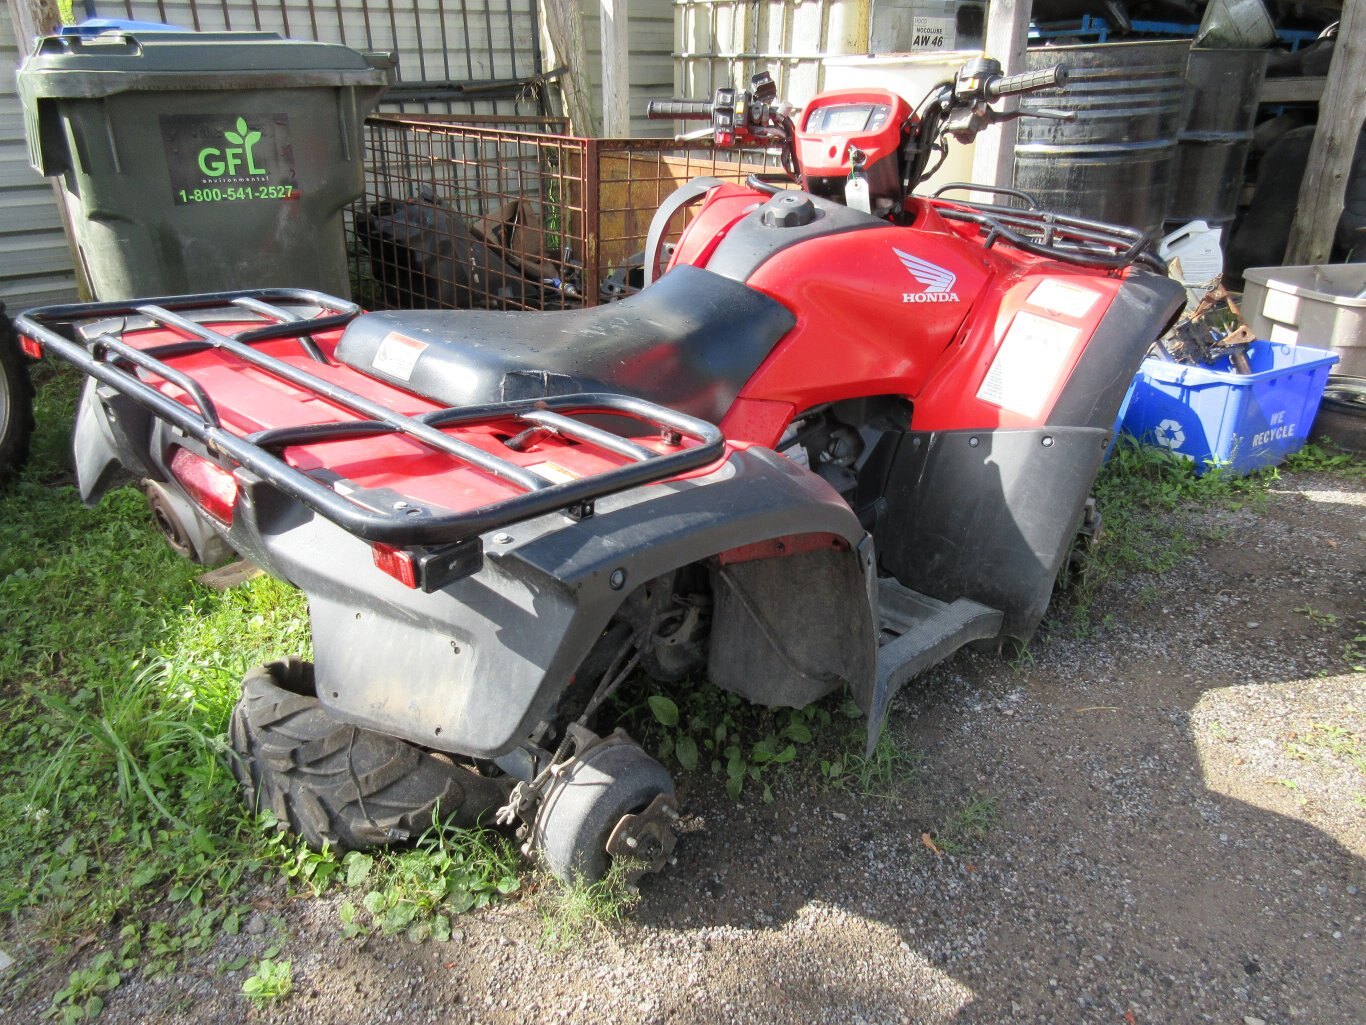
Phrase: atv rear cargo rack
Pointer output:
(84, 334)
(1062, 237)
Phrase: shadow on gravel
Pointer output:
(1181, 818)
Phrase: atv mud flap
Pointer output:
(474, 666)
(112, 436)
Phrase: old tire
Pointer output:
(1342, 413)
(585, 803)
(185, 529)
(16, 402)
(339, 784)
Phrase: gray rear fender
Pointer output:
(472, 668)
(112, 432)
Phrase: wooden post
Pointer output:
(993, 160)
(1324, 188)
(33, 18)
(616, 68)
(564, 28)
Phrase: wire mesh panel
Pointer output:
(633, 177)
(502, 213)
(470, 216)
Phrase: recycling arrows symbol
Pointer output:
(1169, 434)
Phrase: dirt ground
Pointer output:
(1176, 825)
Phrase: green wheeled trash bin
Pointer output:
(199, 162)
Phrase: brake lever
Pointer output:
(1047, 113)
(965, 123)
(693, 136)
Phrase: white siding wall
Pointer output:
(722, 42)
(651, 24)
(35, 265)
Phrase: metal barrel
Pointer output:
(1114, 162)
(1222, 88)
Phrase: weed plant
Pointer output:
(568, 910)
(415, 892)
(695, 725)
(1141, 492)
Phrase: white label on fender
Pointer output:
(1060, 297)
(397, 355)
(1027, 364)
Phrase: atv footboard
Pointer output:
(463, 628)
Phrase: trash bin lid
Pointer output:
(87, 67)
(94, 26)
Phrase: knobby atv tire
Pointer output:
(336, 783)
(16, 401)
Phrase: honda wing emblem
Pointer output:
(938, 282)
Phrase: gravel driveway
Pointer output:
(1163, 821)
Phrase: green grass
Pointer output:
(118, 674)
(894, 767)
(1142, 492)
(568, 910)
(968, 825)
(110, 733)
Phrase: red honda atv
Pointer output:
(847, 432)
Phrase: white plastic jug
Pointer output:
(1196, 247)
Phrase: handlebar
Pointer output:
(1028, 81)
(682, 110)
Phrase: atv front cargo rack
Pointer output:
(86, 335)
(1062, 237)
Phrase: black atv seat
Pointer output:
(690, 342)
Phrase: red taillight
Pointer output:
(397, 563)
(211, 487)
(30, 348)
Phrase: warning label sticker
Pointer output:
(1060, 297)
(554, 472)
(397, 355)
(1026, 368)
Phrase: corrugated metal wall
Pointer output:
(35, 265)
(484, 42)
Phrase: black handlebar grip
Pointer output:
(1028, 82)
(682, 110)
